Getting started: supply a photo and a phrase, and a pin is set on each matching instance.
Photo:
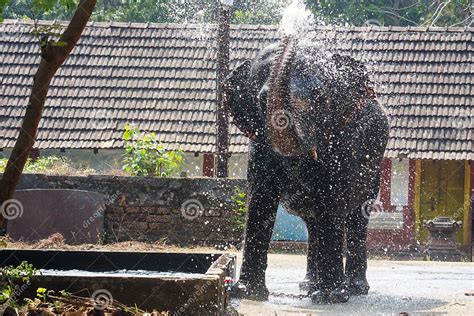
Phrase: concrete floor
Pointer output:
(415, 287)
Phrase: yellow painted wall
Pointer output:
(442, 186)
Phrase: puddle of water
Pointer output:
(120, 273)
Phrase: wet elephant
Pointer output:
(317, 138)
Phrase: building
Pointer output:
(162, 78)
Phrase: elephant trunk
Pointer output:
(279, 121)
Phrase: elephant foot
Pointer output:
(252, 292)
(334, 296)
(307, 285)
(358, 286)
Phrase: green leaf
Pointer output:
(41, 292)
(44, 5)
(69, 4)
(59, 43)
(127, 135)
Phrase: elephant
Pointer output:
(317, 136)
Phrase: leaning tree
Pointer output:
(54, 49)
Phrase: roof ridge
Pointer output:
(115, 24)
(151, 25)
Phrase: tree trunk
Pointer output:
(52, 57)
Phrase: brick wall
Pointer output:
(181, 210)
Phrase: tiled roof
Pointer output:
(162, 77)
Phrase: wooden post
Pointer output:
(417, 199)
(410, 216)
(222, 144)
(208, 165)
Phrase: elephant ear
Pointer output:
(353, 79)
(243, 107)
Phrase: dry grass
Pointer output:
(56, 241)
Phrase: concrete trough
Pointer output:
(181, 283)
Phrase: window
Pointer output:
(399, 182)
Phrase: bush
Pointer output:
(50, 165)
(10, 280)
(145, 155)
(240, 208)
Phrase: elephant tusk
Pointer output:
(314, 153)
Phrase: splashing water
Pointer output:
(310, 31)
(296, 19)
(299, 22)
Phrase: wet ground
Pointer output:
(415, 287)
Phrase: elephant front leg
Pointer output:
(310, 282)
(356, 261)
(330, 267)
(263, 205)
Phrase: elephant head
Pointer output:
(294, 95)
